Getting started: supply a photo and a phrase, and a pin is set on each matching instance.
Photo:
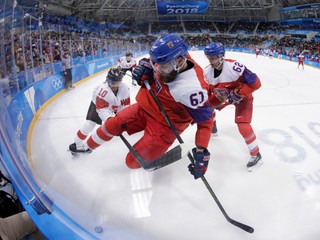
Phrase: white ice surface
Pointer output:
(280, 200)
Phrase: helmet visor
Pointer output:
(164, 68)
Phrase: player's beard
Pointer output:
(167, 77)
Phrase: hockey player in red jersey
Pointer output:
(301, 61)
(230, 82)
(178, 83)
(107, 99)
(257, 51)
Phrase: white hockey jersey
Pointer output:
(187, 89)
(107, 103)
(123, 63)
(231, 74)
(234, 75)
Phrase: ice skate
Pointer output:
(76, 149)
(254, 162)
(214, 131)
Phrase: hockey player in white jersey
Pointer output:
(128, 63)
(230, 82)
(107, 99)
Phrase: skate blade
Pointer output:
(73, 154)
(250, 169)
(78, 153)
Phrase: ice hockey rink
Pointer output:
(280, 200)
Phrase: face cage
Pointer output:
(167, 67)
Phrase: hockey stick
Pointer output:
(230, 220)
(220, 106)
(173, 155)
(129, 75)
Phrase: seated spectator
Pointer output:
(15, 223)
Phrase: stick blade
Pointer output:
(171, 156)
(242, 226)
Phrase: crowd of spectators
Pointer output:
(297, 44)
(167, 27)
(275, 28)
(200, 26)
(285, 46)
(31, 52)
(243, 27)
(34, 48)
(291, 46)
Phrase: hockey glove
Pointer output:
(221, 93)
(200, 165)
(235, 97)
(142, 72)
